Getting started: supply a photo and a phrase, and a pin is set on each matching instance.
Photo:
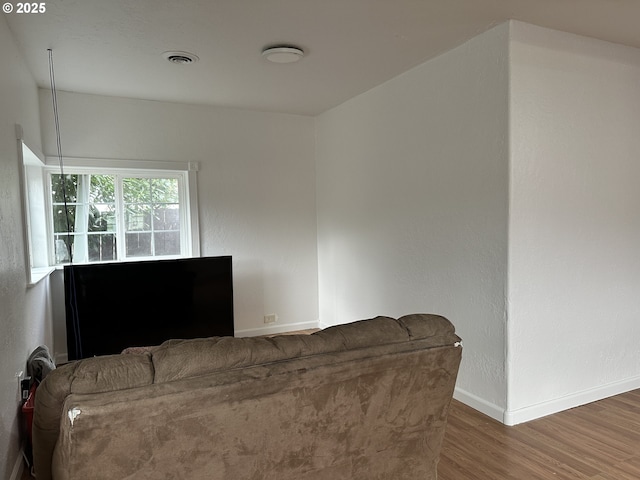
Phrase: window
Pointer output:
(114, 214)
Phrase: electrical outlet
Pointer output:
(20, 377)
(273, 318)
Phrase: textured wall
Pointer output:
(574, 273)
(412, 204)
(25, 318)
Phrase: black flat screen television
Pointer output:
(112, 306)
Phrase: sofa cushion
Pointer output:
(209, 355)
(437, 327)
(113, 372)
(91, 375)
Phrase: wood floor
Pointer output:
(598, 441)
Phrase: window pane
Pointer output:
(167, 243)
(102, 218)
(102, 247)
(164, 190)
(60, 224)
(138, 244)
(61, 245)
(138, 218)
(102, 189)
(58, 189)
(166, 217)
(136, 190)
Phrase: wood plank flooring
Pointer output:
(598, 441)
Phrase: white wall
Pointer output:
(412, 181)
(574, 249)
(25, 317)
(256, 188)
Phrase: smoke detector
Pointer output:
(180, 58)
(283, 54)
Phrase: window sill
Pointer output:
(38, 274)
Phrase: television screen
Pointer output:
(112, 306)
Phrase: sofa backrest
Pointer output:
(177, 359)
(223, 361)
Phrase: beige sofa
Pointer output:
(365, 400)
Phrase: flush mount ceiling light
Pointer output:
(181, 58)
(283, 54)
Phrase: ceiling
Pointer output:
(114, 47)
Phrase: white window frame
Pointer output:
(34, 214)
(185, 172)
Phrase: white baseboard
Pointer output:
(275, 329)
(514, 417)
(477, 403)
(526, 414)
(18, 467)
